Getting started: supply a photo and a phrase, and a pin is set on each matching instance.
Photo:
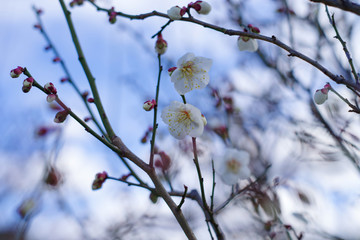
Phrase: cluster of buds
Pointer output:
(51, 92)
(27, 84)
(112, 15)
(321, 95)
(16, 72)
(160, 45)
(99, 180)
(246, 43)
(164, 162)
(149, 105)
(201, 7)
(76, 2)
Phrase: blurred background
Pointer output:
(304, 157)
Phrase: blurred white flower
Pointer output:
(191, 73)
(321, 95)
(247, 44)
(233, 165)
(183, 119)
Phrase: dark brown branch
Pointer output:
(345, 5)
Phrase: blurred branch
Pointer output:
(342, 4)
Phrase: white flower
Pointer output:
(233, 165)
(175, 13)
(247, 44)
(191, 73)
(183, 119)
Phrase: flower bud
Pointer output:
(171, 70)
(320, 96)
(50, 98)
(64, 79)
(37, 26)
(53, 177)
(99, 180)
(176, 13)
(56, 59)
(247, 44)
(61, 116)
(112, 15)
(50, 88)
(149, 105)
(161, 45)
(90, 100)
(27, 84)
(165, 161)
(15, 73)
(201, 7)
(26, 207)
(253, 29)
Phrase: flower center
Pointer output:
(187, 69)
(233, 166)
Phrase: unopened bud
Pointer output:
(90, 100)
(26, 207)
(201, 7)
(171, 70)
(149, 105)
(56, 59)
(27, 84)
(50, 98)
(50, 88)
(176, 13)
(61, 116)
(161, 45)
(53, 177)
(15, 73)
(247, 44)
(112, 15)
(99, 180)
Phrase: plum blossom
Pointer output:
(183, 119)
(191, 73)
(321, 95)
(233, 165)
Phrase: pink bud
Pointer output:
(90, 100)
(56, 59)
(171, 70)
(37, 26)
(61, 116)
(161, 45)
(27, 84)
(48, 47)
(112, 15)
(253, 29)
(15, 73)
(99, 180)
(85, 94)
(125, 176)
(86, 119)
(149, 105)
(50, 88)
(64, 79)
